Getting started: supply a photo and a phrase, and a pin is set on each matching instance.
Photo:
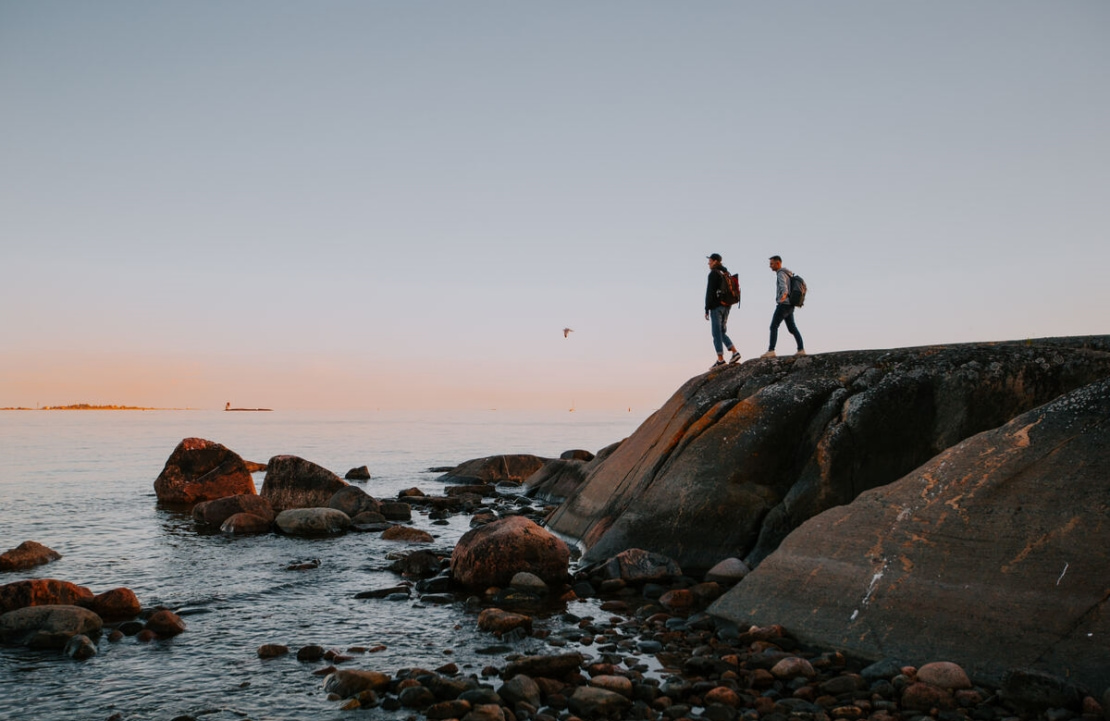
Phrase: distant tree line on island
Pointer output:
(88, 407)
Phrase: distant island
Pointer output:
(228, 407)
(90, 407)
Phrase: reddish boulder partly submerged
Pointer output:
(492, 554)
(293, 482)
(201, 470)
(243, 524)
(42, 592)
(214, 513)
(165, 623)
(27, 555)
(119, 604)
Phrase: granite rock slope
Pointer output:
(740, 457)
(994, 555)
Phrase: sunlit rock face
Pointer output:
(740, 457)
(995, 555)
(201, 470)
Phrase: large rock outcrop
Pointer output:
(200, 470)
(995, 554)
(740, 457)
(293, 482)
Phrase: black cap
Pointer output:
(715, 256)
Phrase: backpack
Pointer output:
(730, 289)
(797, 296)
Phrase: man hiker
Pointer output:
(716, 310)
(783, 309)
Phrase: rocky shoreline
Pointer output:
(929, 591)
(653, 653)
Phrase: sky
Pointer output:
(362, 205)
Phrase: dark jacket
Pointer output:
(714, 286)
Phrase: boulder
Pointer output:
(41, 592)
(27, 555)
(730, 570)
(529, 582)
(944, 674)
(293, 482)
(351, 683)
(614, 683)
(118, 604)
(272, 650)
(47, 626)
(792, 667)
(312, 521)
(352, 500)
(993, 555)
(200, 470)
(80, 647)
(419, 564)
(214, 513)
(485, 712)
(494, 469)
(165, 623)
(556, 667)
(924, 696)
(496, 621)
(243, 524)
(520, 688)
(362, 473)
(576, 454)
(737, 459)
(407, 534)
(396, 511)
(492, 554)
(590, 702)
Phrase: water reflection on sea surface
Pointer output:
(81, 483)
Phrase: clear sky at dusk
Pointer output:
(401, 204)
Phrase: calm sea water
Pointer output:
(81, 482)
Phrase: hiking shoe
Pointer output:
(768, 354)
(735, 358)
(801, 351)
(718, 364)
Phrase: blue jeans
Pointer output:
(784, 312)
(718, 321)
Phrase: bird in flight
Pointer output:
(567, 332)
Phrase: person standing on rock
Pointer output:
(716, 310)
(783, 309)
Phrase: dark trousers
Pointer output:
(784, 312)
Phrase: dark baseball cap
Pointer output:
(715, 256)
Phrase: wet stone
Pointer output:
(310, 653)
(272, 650)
